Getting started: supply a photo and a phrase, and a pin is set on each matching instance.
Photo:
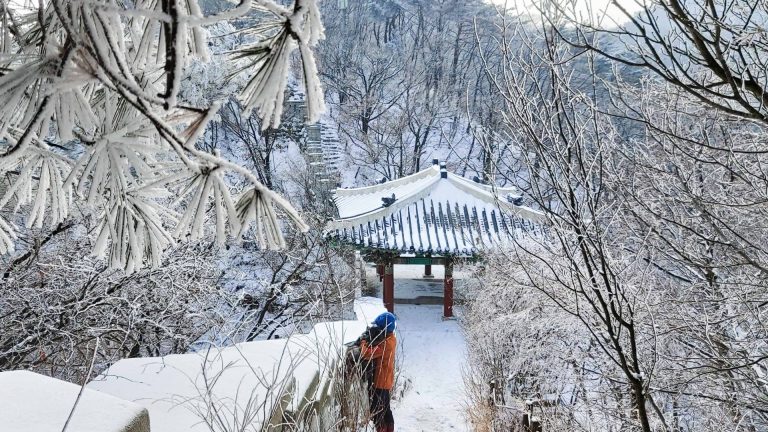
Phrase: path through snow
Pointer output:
(431, 357)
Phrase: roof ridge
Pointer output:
(434, 169)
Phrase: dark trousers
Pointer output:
(381, 411)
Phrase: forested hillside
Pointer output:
(407, 81)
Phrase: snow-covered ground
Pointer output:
(432, 355)
(431, 358)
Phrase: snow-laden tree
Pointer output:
(714, 50)
(656, 226)
(693, 211)
(655, 249)
(406, 83)
(57, 302)
(526, 347)
(579, 267)
(91, 114)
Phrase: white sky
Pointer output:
(602, 11)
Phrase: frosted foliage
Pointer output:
(655, 251)
(93, 111)
(269, 58)
(47, 170)
(201, 189)
(7, 237)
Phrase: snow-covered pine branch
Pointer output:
(51, 192)
(268, 58)
(132, 233)
(202, 188)
(90, 111)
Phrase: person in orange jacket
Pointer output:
(379, 347)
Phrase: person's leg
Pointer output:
(389, 419)
(378, 409)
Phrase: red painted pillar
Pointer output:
(380, 271)
(389, 287)
(448, 290)
(428, 271)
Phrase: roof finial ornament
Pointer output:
(388, 201)
(516, 200)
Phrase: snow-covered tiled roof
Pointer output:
(434, 212)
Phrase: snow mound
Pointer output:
(36, 403)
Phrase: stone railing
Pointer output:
(303, 383)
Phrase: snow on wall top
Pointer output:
(36, 403)
(433, 212)
(237, 385)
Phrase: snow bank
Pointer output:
(246, 384)
(36, 403)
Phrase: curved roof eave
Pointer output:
(379, 212)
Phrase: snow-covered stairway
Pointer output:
(332, 152)
(321, 148)
(323, 153)
(322, 161)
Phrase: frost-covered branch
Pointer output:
(91, 112)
